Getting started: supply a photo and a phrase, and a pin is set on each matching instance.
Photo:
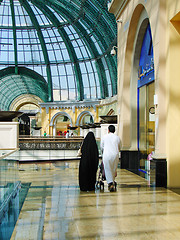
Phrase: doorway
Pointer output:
(146, 125)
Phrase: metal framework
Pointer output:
(26, 81)
(67, 42)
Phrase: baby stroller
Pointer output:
(101, 177)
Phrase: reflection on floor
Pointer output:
(11, 211)
(56, 209)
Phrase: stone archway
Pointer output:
(128, 87)
(82, 115)
(23, 100)
(138, 41)
(55, 118)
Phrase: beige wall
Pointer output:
(166, 46)
(45, 122)
(106, 105)
(132, 16)
(173, 75)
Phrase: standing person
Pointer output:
(110, 146)
(88, 163)
(67, 134)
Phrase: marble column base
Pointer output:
(130, 161)
(158, 167)
(158, 172)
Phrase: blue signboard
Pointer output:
(146, 63)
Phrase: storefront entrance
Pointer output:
(145, 103)
(146, 129)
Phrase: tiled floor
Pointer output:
(56, 209)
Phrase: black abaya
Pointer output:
(89, 163)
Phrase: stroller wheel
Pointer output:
(101, 186)
(98, 185)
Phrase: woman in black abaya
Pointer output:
(89, 163)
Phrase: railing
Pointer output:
(50, 143)
(49, 137)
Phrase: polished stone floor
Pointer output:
(56, 209)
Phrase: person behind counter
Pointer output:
(67, 134)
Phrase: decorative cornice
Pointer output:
(108, 101)
(70, 104)
(117, 7)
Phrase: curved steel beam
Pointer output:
(14, 35)
(68, 44)
(91, 47)
(88, 18)
(27, 82)
(91, 13)
(27, 7)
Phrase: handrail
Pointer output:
(63, 137)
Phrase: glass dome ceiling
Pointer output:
(66, 43)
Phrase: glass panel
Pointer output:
(142, 119)
(146, 126)
(142, 130)
(151, 119)
(47, 44)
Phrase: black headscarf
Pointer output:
(88, 163)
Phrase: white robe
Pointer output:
(110, 146)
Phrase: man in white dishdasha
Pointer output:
(110, 146)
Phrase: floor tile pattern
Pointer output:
(55, 208)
